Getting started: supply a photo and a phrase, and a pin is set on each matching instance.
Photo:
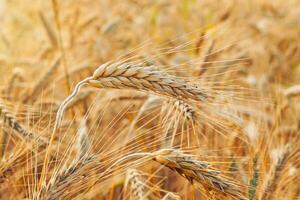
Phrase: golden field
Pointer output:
(136, 99)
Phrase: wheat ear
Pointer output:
(272, 184)
(145, 78)
(60, 182)
(133, 179)
(186, 109)
(136, 76)
(10, 120)
(65, 177)
(198, 171)
(191, 169)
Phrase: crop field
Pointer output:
(150, 99)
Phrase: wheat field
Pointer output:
(150, 100)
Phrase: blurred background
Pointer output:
(266, 32)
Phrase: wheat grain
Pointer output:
(60, 181)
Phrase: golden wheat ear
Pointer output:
(145, 78)
(139, 77)
(199, 172)
(67, 176)
(179, 119)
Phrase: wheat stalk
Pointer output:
(49, 30)
(11, 85)
(42, 83)
(82, 95)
